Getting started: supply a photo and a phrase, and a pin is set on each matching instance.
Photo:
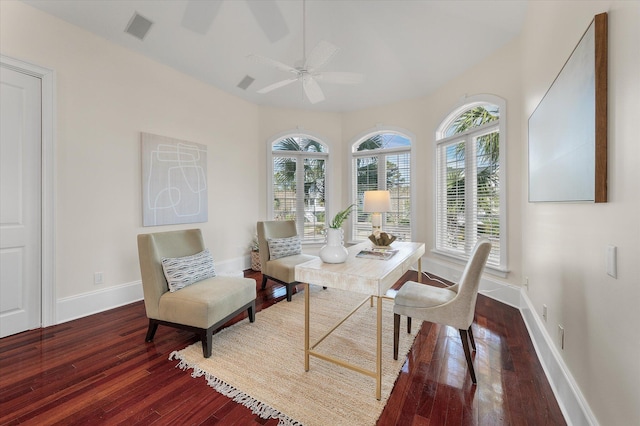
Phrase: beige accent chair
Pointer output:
(453, 306)
(280, 270)
(201, 307)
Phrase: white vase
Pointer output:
(334, 251)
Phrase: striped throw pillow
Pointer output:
(183, 271)
(283, 247)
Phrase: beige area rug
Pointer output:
(261, 364)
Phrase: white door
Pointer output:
(20, 202)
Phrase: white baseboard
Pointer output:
(575, 408)
(93, 302)
(572, 403)
(82, 305)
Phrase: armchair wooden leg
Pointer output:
(467, 354)
(290, 291)
(396, 334)
(151, 331)
(264, 282)
(251, 312)
(207, 341)
(471, 339)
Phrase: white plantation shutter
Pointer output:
(486, 202)
(365, 175)
(398, 220)
(383, 165)
(298, 183)
(469, 191)
(451, 200)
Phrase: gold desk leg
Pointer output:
(306, 326)
(379, 350)
(420, 270)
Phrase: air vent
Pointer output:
(246, 82)
(138, 26)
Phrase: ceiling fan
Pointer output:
(307, 71)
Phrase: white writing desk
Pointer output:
(372, 277)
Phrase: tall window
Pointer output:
(298, 184)
(382, 161)
(470, 181)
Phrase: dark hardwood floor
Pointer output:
(99, 370)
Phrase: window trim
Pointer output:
(465, 104)
(300, 156)
(352, 154)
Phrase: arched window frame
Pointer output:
(300, 156)
(381, 153)
(496, 263)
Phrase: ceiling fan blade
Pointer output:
(340, 77)
(270, 19)
(199, 15)
(277, 85)
(312, 90)
(320, 55)
(272, 63)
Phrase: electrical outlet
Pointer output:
(561, 336)
(98, 278)
(544, 312)
(612, 261)
(525, 281)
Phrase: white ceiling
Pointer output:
(404, 48)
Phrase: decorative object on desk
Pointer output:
(377, 253)
(376, 203)
(255, 254)
(381, 239)
(325, 395)
(334, 251)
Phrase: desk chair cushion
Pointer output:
(413, 295)
(440, 305)
(283, 268)
(283, 247)
(206, 302)
(183, 271)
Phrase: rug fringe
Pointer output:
(259, 408)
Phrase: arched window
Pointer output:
(381, 160)
(470, 184)
(298, 183)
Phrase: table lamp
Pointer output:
(376, 203)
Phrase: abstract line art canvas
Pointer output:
(174, 181)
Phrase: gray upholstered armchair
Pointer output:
(453, 306)
(280, 267)
(203, 305)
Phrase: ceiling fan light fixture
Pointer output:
(307, 72)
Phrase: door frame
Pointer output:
(47, 255)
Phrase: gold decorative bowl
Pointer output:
(381, 239)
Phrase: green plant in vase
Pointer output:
(340, 217)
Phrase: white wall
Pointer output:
(564, 244)
(106, 96)
(498, 75)
(327, 126)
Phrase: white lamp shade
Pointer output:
(377, 201)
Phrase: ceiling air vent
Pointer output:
(246, 82)
(138, 26)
